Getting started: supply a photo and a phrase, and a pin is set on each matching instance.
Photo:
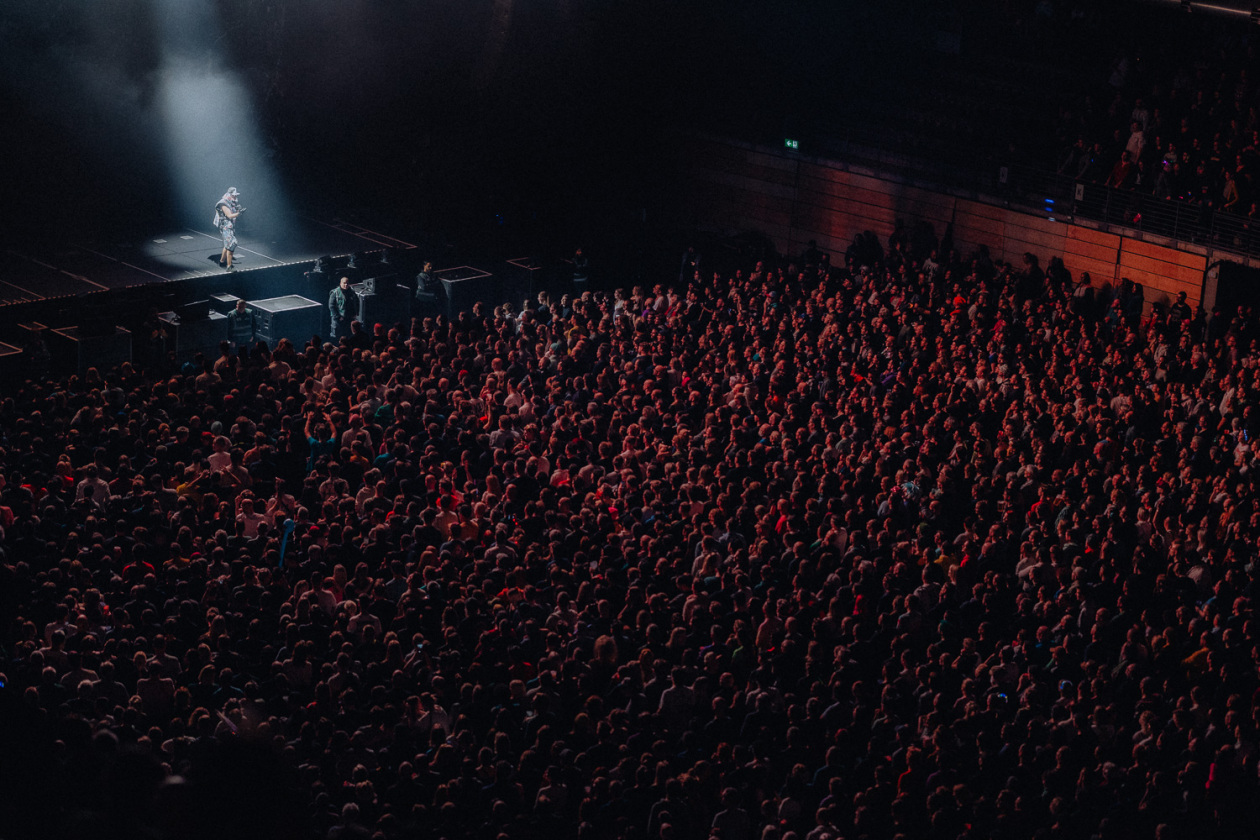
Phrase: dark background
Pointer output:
(503, 122)
(557, 120)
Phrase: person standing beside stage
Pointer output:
(425, 301)
(343, 304)
(581, 270)
(225, 213)
(241, 326)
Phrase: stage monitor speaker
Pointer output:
(466, 286)
(223, 303)
(194, 310)
(291, 316)
(524, 277)
(187, 338)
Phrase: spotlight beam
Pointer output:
(211, 139)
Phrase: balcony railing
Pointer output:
(1061, 197)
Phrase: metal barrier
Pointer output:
(1182, 221)
(1064, 198)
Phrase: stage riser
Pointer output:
(71, 350)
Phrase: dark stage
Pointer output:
(70, 270)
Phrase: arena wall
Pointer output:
(736, 188)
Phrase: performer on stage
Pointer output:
(225, 213)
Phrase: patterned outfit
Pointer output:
(226, 226)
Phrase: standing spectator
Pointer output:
(1229, 193)
(343, 305)
(1122, 173)
(581, 270)
(732, 822)
(690, 267)
(242, 326)
(92, 489)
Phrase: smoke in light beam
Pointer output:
(212, 137)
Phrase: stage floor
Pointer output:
(179, 254)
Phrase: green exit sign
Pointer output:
(792, 144)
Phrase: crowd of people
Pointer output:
(920, 545)
(1177, 118)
